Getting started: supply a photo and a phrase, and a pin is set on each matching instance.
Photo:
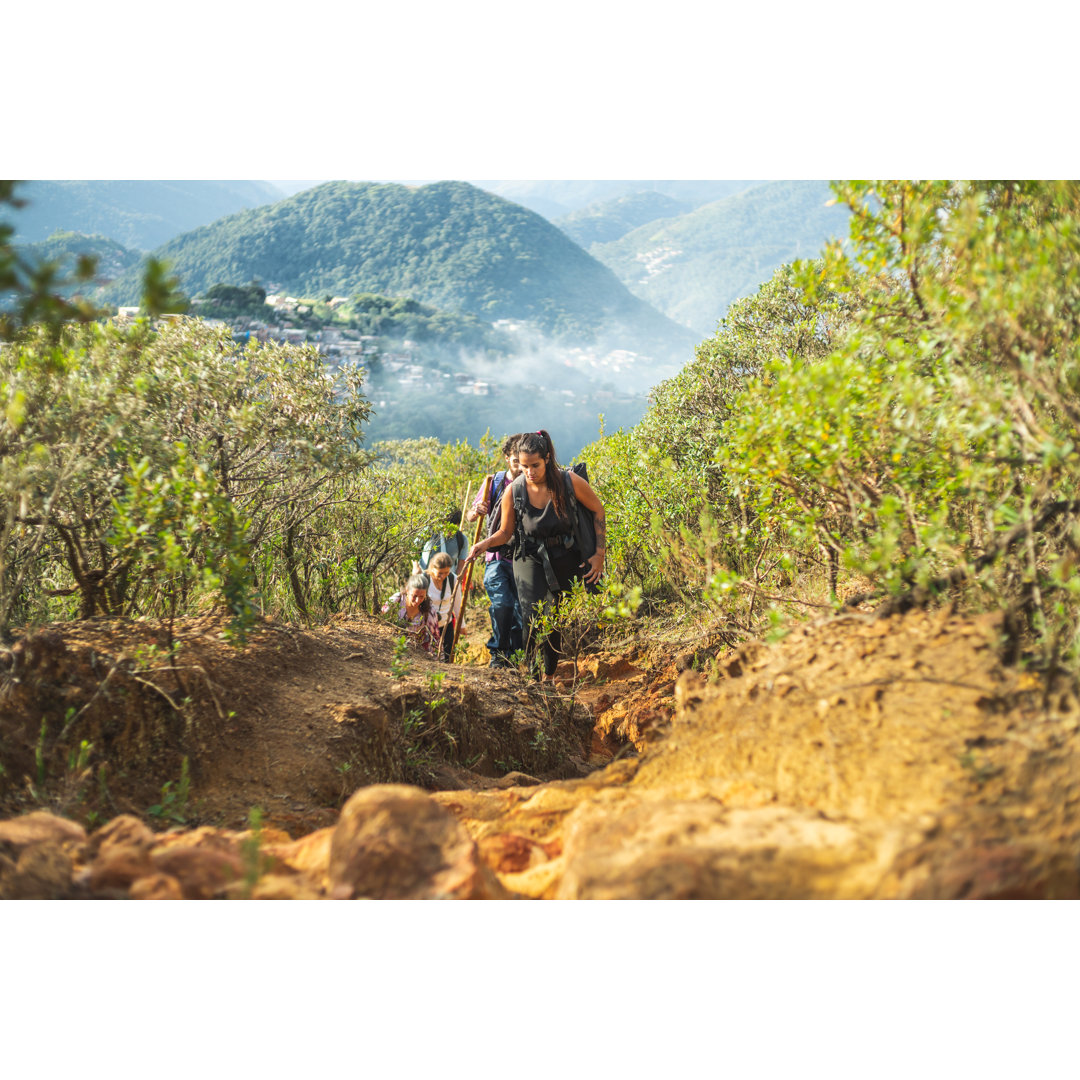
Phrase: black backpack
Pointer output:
(582, 523)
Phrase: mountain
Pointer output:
(693, 266)
(448, 244)
(64, 248)
(557, 198)
(602, 222)
(139, 214)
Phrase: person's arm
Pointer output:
(503, 534)
(591, 501)
(479, 507)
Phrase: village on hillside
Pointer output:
(395, 368)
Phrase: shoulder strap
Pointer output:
(572, 509)
(517, 491)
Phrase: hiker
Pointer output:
(412, 608)
(506, 628)
(445, 600)
(547, 559)
(454, 542)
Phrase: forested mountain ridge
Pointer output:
(64, 248)
(448, 244)
(557, 198)
(694, 266)
(610, 219)
(139, 214)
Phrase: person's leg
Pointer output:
(566, 565)
(446, 639)
(534, 596)
(517, 632)
(499, 585)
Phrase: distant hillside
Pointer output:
(450, 245)
(693, 266)
(140, 214)
(113, 259)
(602, 222)
(557, 198)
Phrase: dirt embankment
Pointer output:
(855, 758)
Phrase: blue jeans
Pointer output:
(506, 628)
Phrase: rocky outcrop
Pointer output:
(395, 842)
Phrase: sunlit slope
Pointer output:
(693, 266)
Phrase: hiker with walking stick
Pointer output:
(445, 600)
(506, 626)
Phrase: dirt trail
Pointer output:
(856, 758)
(292, 722)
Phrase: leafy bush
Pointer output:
(136, 464)
(934, 450)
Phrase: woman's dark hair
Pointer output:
(420, 581)
(539, 442)
(453, 515)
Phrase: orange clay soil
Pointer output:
(858, 757)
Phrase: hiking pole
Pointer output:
(466, 578)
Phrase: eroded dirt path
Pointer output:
(856, 758)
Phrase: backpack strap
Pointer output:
(517, 490)
(573, 511)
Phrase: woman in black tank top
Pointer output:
(547, 563)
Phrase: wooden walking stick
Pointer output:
(466, 578)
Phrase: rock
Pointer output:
(512, 853)
(999, 872)
(117, 867)
(660, 849)
(203, 872)
(156, 887)
(39, 826)
(310, 855)
(125, 831)
(285, 887)
(395, 842)
(517, 779)
(44, 872)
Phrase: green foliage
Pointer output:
(251, 854)
(222, 300)
(161, 293)
(65, 249)
(674, 514)
(399, 662)
(399, 318)
(174, 801)
(896, 420)
(141, 470)
(177, 529)
(934, 448)
(34, 290)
